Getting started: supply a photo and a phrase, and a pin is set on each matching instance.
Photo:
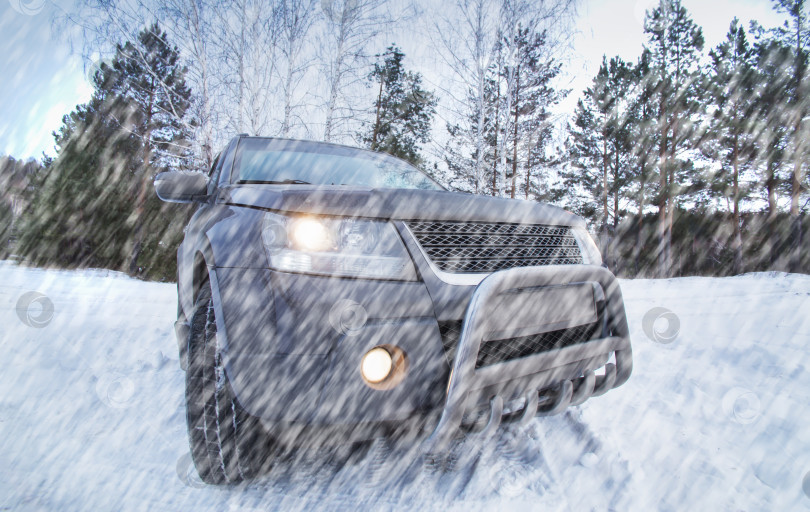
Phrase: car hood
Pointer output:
(402, 204)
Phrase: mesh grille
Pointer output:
(492, 352)
(481, 247)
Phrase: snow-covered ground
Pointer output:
(716, 417)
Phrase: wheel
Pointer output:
(227, 444)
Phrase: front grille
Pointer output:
(497, 351)
(484, 247)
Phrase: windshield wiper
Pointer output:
(273, 182)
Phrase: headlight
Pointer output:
(590, 252)
(336, 246)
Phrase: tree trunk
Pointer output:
(479, 128)
(510, 96)
(770, 186)
(737, 245)
(673, 150)
(285, 125)
(137, 232)
(663, 266)
(515, 142)
(616, 191)
(771, 233)
(334, 86)
(376, 132)
(497, 132)
(605, 165)
(795, 195)
(612, 247)
(605, 240)
(529, 168)
(670, 219)
(639, 235)
(798, 143)
(241, 93)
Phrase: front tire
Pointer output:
(227, 444)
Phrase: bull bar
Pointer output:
(562, 376)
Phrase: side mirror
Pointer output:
(181, 186)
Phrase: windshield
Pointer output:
(281, 161)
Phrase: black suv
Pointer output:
(329, 292)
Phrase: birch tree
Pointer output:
(349, 27)
(296, 19)
(247, 34)
(468, 37)
(191, 25)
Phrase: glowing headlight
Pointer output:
(376, 365)
(310, 235)
(336, 246)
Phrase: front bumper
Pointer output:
(292, 361)
(562, 376)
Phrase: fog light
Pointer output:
(376, 365)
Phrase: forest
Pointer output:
(688, 160)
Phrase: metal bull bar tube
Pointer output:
(563, 374)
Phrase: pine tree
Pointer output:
(461, 154)
(675, 43)
(495, 104)
(539, 158)
(149, 75)
(732, 141)
(77, 216)
(773, 86)
(532, 100)
(403, 109)
(796, 34)
(93, 205)
(582, 184)
(601, 141)
(641, 122)
(619, 79)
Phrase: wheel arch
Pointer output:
(192, 274)
(203, 270)
(189, 283)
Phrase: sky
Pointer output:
(41, 79)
